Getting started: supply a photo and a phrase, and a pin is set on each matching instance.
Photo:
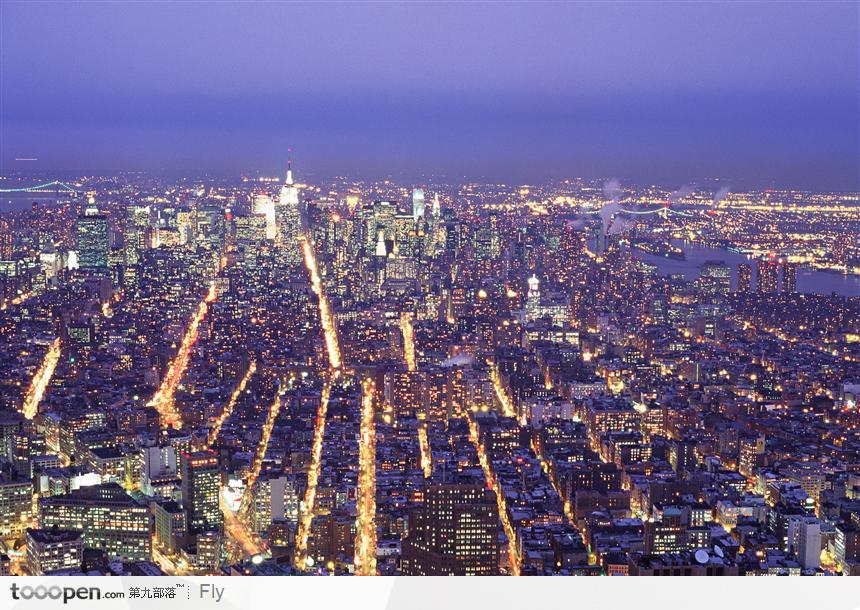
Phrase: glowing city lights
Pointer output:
(326, 316)
(163, 401)
(41, 380)
(365, 543)
(231, 403)
(306, 514)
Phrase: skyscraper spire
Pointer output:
(289, 181)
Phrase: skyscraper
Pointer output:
(714, 277)
(455, 533)
(5, 241)
(789, 277)
(768, 275)
(201, 483)
(744, 278)
(288, 220)
(92, 239)
(417, 204)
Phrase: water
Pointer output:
(16, 202)
(808, 280)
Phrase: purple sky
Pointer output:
(757, 93)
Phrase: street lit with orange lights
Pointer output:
(163, 401)
(493, 483)
(326, 317)
(306, 512)
(231, 403)
(508, 409)
(41, 380)
(365, 543)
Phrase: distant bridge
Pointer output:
(42, 188)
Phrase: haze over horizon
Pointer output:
(755, 94)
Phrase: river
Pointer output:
(808, 280)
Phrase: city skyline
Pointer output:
(421, 289)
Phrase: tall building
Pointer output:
(417, 204)
(768, 275)
(744, 278)
(264, 206)
(804, 540)
(288, 220)
(5, 241)
(201, 483)
(455, 533)
(789, 277)
(111, 520)
(92, 239)
(138, 230)
(16, 501)
(714, 277)
(533, 298)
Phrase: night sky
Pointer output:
(758, 94)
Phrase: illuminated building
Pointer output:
(201, 484)
(804, 540)
(6, 241)
(789, 276)
(455, 533)
(417, 204)
(111, 520)
(744, 278)
(715, 277)
(288, 220)
(767, 280)
(264, 206)
(751, 452)
(16, 501)
(170, 525)
(138, 232)
(92, 241)
(274, 499)
(666, 535)
(53, 550)
(682, 456)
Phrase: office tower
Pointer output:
(5, 241)
(53, 550)
(264, 206)
(170, 525)
(111, 520)
(138, 225)
(804, 540)
(288, 220)
(768, 275)
(186, 224)
(455, 533)
(417, 204)
(92, 239)
(751, 449)
(16, 501)
(744, 278)
(201, 483)
(714, 277)
(533, 299)
(274, 499)
(682, 456)
(667, 533)
(250, 234)
(158, 467)
(789, 277)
